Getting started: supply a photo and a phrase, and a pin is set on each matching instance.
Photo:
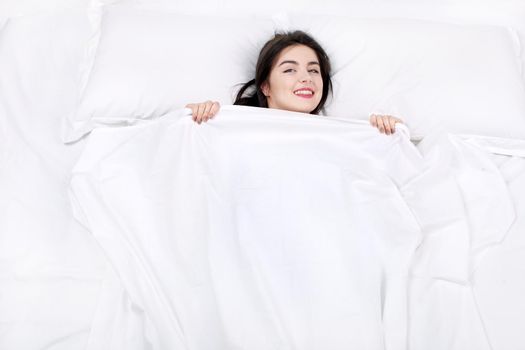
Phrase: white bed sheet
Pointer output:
(57, 290)
(51, 269)
(499, 280)
(249, 230)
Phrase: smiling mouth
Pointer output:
(304, 93)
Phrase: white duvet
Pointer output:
(104, 285)
(265, 229)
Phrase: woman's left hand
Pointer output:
(385, 123)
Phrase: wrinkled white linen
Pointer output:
(55, 294)
(266, 229)
(463, 204)
(51, 268)
(262, 229)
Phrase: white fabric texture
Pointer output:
(137, 60)
(58, 291)
(137, 64)
(250, 257)
(460, 78)
(51, 269)
(485, 12)
(267, 229)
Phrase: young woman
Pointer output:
(292, 73)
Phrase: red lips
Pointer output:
(304, 95)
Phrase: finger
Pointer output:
(380, 124)
(207, 110)
(393, 122)
(373, 120)
(200, 112)
(214, 109)
(192, 106)
(386, 123)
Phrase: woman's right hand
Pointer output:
(201, 112)
(385, 123)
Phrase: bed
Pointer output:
(124, 225)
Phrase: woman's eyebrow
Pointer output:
(295, 62)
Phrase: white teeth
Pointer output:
(304, 92)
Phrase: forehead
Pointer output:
(299, 53)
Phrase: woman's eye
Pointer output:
(315, 71)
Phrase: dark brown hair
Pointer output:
(255, 97)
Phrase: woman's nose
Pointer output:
(306, 78)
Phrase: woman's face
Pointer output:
(295, 82)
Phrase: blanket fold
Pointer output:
(266, 229)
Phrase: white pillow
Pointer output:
(493, 12)
(465, 79)
(39, 58)
(143, 63)
(140, 66)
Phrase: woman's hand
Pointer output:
(201, 112)
(385, 123)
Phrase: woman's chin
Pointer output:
(301, 108)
